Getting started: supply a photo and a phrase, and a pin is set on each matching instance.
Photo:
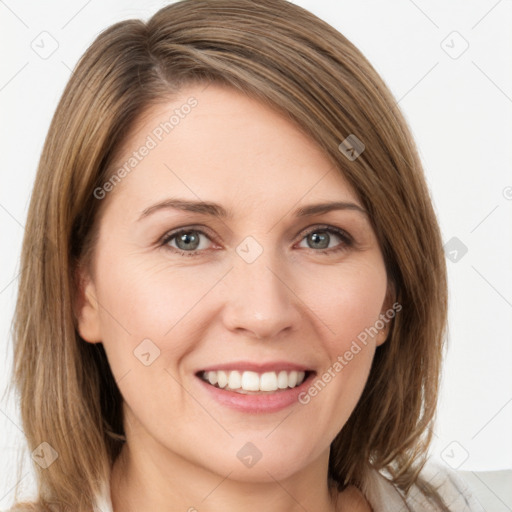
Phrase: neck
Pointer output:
(149, 480)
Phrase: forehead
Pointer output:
(216, 142)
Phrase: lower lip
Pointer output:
(261, 403)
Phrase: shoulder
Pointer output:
(451, 487)
(384, 496)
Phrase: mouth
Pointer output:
(255, 388)
(249, 382)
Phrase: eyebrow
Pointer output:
(216, 210)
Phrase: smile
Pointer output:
(256, 388)
(249, 382)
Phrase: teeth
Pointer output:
(268, 381)
(222, 379)
(234, 380)
(252, 381)
(282, 380)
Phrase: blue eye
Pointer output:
(321, 237)
(188, 242)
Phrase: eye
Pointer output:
(191, 241)
(320, 239)
(187, 242)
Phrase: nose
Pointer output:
(261, 301)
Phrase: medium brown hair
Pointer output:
(289, 59)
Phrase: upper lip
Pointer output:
(271, 366)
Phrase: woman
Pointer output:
(233, 291)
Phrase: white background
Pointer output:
(460, 113)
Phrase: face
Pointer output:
(212, 263)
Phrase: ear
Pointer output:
(87, 308)
(389, 309)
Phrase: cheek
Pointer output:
(350, 307)
(347, 301)
(149, 314)
(148, 303)
(141, 301)
(334, 393)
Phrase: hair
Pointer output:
(292, 61)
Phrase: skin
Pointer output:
(292, 303)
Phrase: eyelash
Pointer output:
(346, 243)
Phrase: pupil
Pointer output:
(188, 240)
(322, 239)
